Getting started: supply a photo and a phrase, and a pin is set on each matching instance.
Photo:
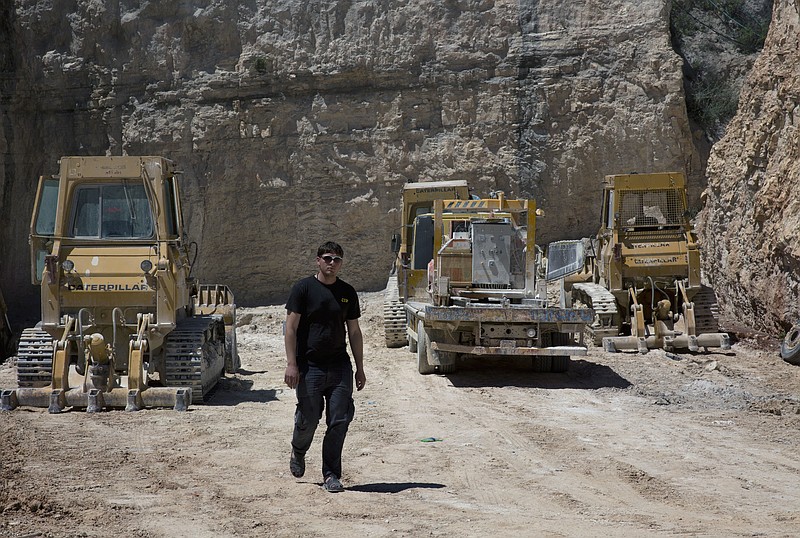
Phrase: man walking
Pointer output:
(319, 309)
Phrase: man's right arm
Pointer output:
(292, 374)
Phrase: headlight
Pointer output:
(68, 265)
(531, 332)
(146, 265)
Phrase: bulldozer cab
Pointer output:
(645, 232)
(93, 204)
(418, 200)
(642, 209)
(414, 247)
(107, 232)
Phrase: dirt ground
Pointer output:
(620, 445)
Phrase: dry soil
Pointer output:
(621, 445)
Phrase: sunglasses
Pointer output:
(331, 259)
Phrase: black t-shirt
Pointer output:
(323, 309)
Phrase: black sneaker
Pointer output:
(332, 484)
(297, 464)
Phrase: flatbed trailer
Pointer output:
(544, 334)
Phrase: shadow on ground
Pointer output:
(503, 372)
(233, 391)
(397, 487)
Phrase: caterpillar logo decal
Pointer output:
(108, 287)
(655, 261)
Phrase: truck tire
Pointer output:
(423, 344)
(790, 347)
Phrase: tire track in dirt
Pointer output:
(572, 465)
(621, 445)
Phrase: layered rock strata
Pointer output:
(750, 226)
(299, 121)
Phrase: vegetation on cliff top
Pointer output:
(732, 31)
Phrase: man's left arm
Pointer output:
(357, 347)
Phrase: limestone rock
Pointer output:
(299, 121)
(750, 226)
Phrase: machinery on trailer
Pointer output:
(645, 288)
(124, 324)
(408, 277)
(484, 290)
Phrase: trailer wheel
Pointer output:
(423, 344)
(450, 358)
(790, 347)
(560, 364)
(541, 364)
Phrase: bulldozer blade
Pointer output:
(94, 401)
(681, 341)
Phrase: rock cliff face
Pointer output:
(751, 223)
(297, 121)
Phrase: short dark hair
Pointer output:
(329, 247)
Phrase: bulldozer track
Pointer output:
(706, 311)
(34, 359)
(189, 350)
(394, 316)
(604, 305)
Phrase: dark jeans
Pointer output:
(330, 388)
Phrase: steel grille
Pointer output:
(658, 207)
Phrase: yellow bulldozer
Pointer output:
(644, 268)
(124, 324)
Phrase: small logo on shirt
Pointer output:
(344, 299)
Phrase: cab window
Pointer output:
(118, 211)
(610, 210)
(423, 242)
(172, 212)
(46, 218)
